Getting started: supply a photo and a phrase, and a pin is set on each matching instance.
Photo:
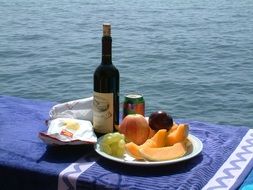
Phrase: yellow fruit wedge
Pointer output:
(160, 138)
(157, 148)
(133, 150)
(177, 135)
(173, 128)
(163, 153)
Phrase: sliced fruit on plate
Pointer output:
(178, 134)
(133, 150)
(158, 140)
(164, 153)
(174, 127)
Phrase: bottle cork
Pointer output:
(106, 29)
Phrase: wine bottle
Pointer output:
(106, 89)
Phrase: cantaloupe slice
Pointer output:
(164, 153)
(173, 128)
(158, 140)
(133, 150)
(177, 135)
(149, 143)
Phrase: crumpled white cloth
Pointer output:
(63, 131)
(70, 123)
(76, 109)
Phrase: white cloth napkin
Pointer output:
(63, 131)
(76, 109)
(70, 123)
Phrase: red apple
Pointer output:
(135, 128)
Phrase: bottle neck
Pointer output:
(106, 50)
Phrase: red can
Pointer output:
(133, 104)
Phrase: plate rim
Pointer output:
(197, 149)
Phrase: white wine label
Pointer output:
(103, 112)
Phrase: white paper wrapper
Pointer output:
(76, 109)
(63, 131)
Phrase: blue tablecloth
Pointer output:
(27, 163)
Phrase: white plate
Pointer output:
(192, 151)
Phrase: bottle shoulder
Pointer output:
(107, 68)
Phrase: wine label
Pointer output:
(103, 112)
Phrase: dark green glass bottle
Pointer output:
(106, 89)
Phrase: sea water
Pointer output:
(193, 59)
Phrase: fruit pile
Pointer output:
(164, 145)
(157, 138)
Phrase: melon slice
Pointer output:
(173, 128)
(163, 153)
(158, 140)
(133, 150)
(177, 135)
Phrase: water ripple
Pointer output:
(193, 59)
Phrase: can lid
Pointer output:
(133, 96)
(106, 29)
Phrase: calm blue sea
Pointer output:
(193, 59)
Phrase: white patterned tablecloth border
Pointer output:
(238, 164)
(67, 178)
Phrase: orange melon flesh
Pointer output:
(133, 150)
(149, 143)
(177, 135)
(173, 128)
(158, 140)
(163, 153)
